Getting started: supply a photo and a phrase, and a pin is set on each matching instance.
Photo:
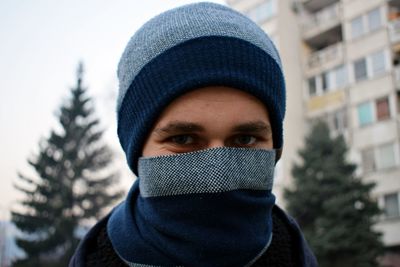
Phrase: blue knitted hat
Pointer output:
(190, 47)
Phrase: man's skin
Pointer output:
(210, 117)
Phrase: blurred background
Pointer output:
(341, 62)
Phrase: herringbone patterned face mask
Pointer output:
(205, 208)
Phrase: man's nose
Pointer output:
(216, 143)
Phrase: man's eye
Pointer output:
(245, 140)
(182, 139)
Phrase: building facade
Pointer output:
(342, 64)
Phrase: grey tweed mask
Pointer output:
(205, 208)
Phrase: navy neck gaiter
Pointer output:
(205, 208)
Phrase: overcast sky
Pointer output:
(41, 43)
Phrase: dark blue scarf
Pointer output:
(205, 208)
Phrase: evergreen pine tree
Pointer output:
(72, 184)
(333, 207)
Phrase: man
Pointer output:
(200, 113)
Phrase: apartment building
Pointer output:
(285, 33)
(342, 64)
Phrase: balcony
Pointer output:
(394, 31)
(315, 5)
(321, 21)
(335, 98)
(331, 54)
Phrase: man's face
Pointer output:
(210, 117)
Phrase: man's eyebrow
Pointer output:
(254, 127)
(179, 127)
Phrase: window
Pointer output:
(270, 8)
(379, 158)
(372, 111)
(382, 109)
(336, 121)
(328, 81)
(312, 86)
(378, 63)
(357, 27)
(341, 76)
(360, 69)
(263, 11)
(365, 114)
(374, 19)
(370, 66)
(339, 120)
(366, 23)
(325, 81)
(385, 157)
(368, 160)
(392, 207)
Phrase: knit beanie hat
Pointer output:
(190, 47)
